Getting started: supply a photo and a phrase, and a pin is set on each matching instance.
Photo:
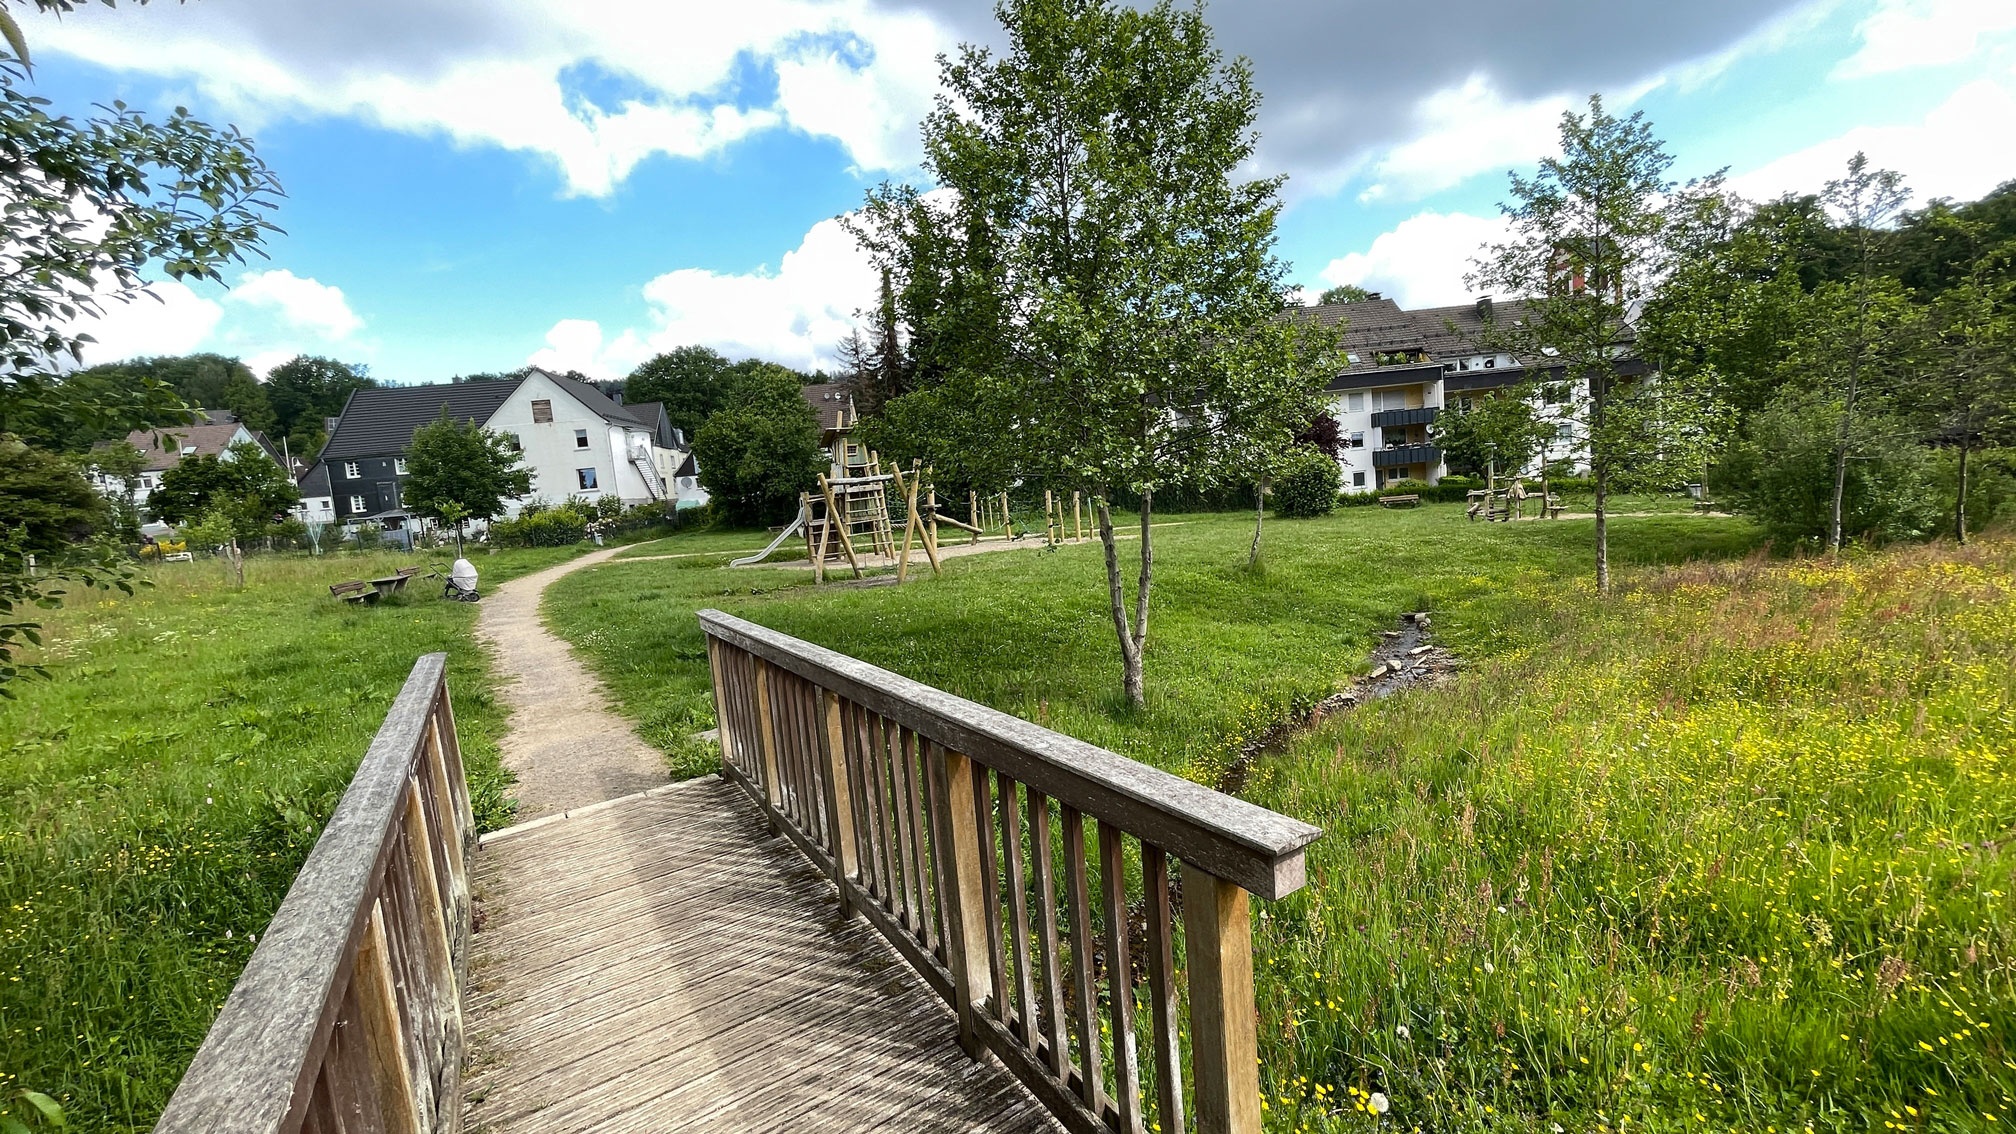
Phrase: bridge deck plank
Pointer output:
(667, 963)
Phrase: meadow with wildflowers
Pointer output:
(1728, 851)
(159, 792)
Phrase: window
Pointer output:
(351, 470)
(1354, 402)
(580, 439)
(399, 466)
(542, 410)
(188, 450)
(586, 477)
(1357, 480)
(1389, 399)
(1356, 440)
(511, 439)
(1351, 358)
(356, 504)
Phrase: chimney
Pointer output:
(1484, 308)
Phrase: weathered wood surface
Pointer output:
(348, 1016)
(1080, 1052)
(1258, 849)
(668, 963)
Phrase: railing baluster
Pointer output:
(903, 798)
(1162, 990)
(967, 940)
(856, 754)
(838, 798)
(934, 790)
(765, 771)
(885, 836)
(1120, 976)
(990, 894)
(1078, 891)
(1018, 911)
(1051, 1026)
(378, 1020)
(918, 870)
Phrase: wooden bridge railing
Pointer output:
(960, 833)
(349, 1015)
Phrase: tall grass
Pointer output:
(158, 794)
(1727, 852)
(1724, 851)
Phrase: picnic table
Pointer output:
(371, 590)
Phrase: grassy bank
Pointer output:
(158, 794)
(1727, 852)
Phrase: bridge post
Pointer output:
(839, 797)
(1224, 1039)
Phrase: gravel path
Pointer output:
(567, 746)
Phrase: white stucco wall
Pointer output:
(553, 454)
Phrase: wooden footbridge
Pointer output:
(894, 909)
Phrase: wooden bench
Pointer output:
(1705, 505)
(1407, 500)
(1554, 507)
(356, 590)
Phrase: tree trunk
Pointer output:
(458, 538)
(1599, 468)
(1130, 641)
(1259, 517)
(1960, 503)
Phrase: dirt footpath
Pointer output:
(566, 745)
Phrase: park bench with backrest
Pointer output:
(1407, 500)
(356, 590)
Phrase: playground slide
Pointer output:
(790, 530)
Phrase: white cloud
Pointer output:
(796, 315)
(168, 319)
(1901, 34)
(1943, 155)
(1463, 131)
(302, 303)
(1422, 262)
(594, 88)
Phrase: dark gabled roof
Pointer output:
(687, 467)
(315, 482)
(652, 416)
(379, 421)
(833, 402)
(599, 403)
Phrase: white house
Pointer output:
(1404, 369)
(576, 441)
(164, 448)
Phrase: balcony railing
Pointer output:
(1387, 419)
(1400, 456)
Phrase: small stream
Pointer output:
(1405, 658)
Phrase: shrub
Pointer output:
(1309, 487)
(550, 527)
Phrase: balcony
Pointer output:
(1400, 456)
(1386, 419)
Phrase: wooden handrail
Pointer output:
(1238, 841)
(348, 1015)
(961, 834)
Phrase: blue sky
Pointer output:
(474, 186)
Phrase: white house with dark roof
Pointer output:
(164, 448)
(576, 441)
(1404, 369)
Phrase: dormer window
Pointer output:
(352, 470)
(188, 450)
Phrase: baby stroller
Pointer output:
(461, 585)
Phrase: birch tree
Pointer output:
(1110, 290)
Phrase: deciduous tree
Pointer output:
(457, 471)
(760, 450)
(244, 484)
(1114, 290)
(1590, 238)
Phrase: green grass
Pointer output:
(728, 542)
(1723, 851)
(1027, 631)
(158, 794)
